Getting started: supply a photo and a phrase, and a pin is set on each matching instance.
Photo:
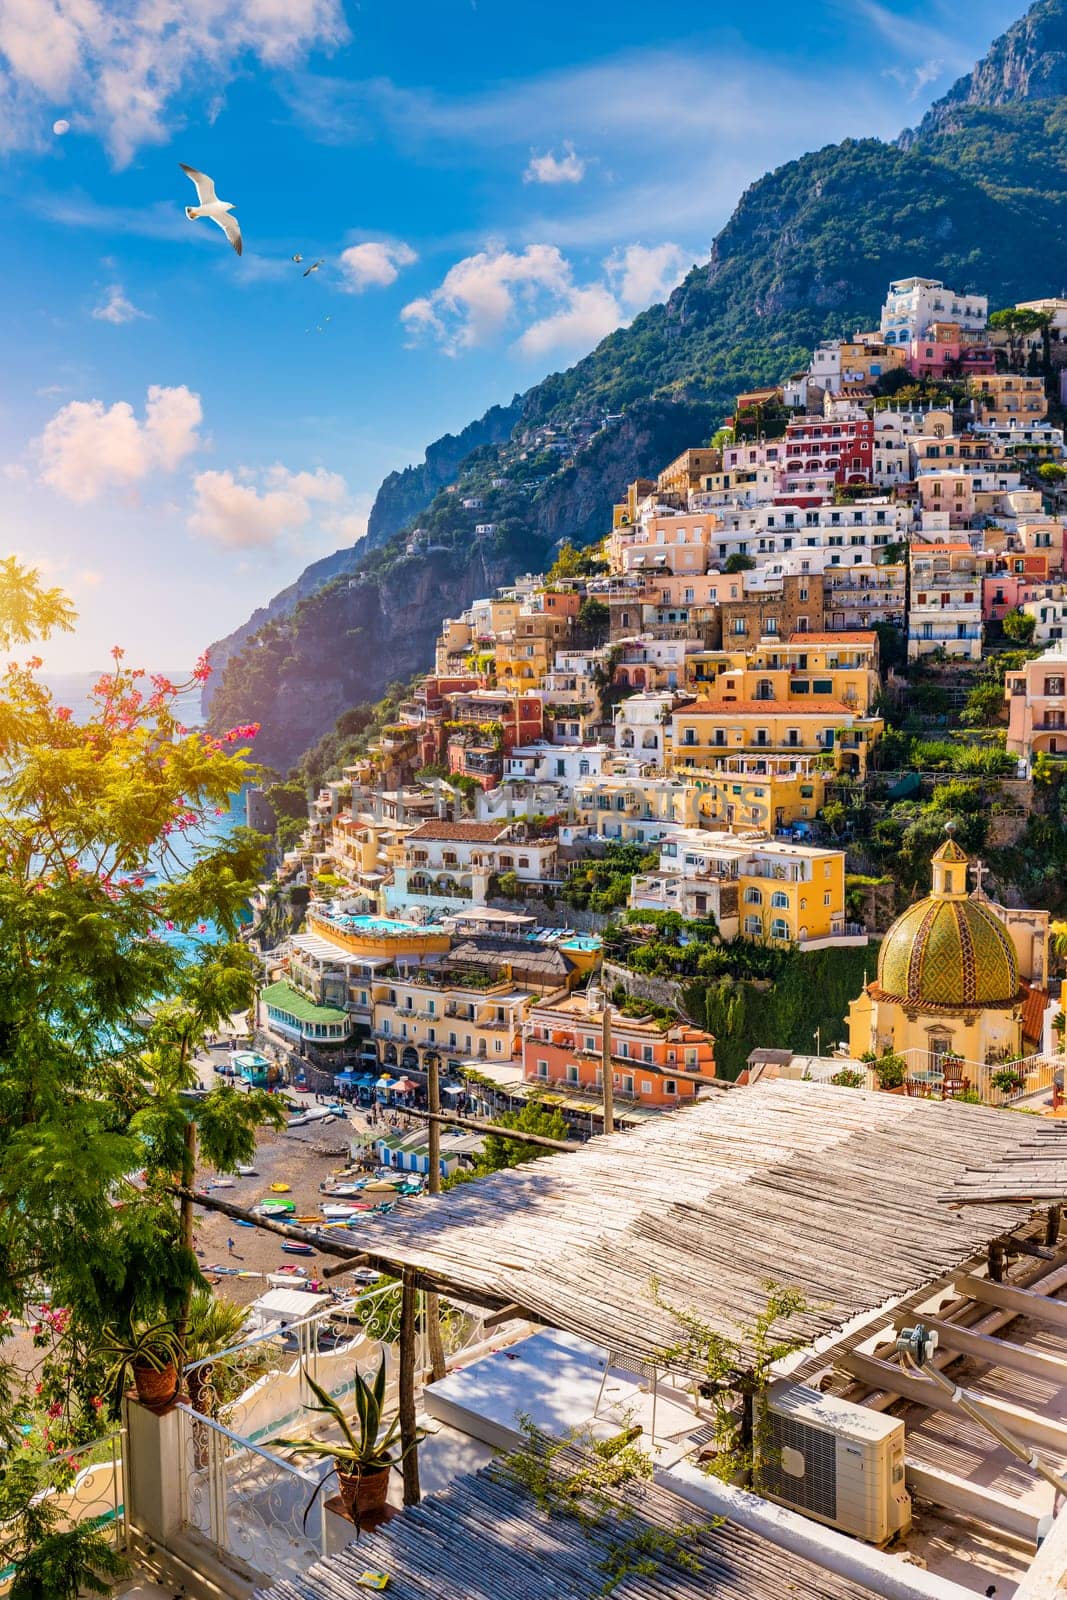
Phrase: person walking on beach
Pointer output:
(230, 1243)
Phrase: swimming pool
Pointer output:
(380, 927)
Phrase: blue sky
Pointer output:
(490, 188)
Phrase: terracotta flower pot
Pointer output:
(155, 1389)
(363, 1494)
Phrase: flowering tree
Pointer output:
(119, 914)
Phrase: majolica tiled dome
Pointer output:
(948, 951)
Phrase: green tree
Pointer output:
(739, 563)
(1051, 472)
(1018, 324)
(984, 707)
(1019, 626)
(594, 620)
(119, 915)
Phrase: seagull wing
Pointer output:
(313, 268)
(205, 186)
(231, 228)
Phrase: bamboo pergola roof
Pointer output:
(1032, 1169)
(829, 1190)
(485, 1538)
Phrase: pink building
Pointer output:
(1003, 591)
(948, 351)
(1037, 706)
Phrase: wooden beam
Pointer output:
(1053, 1313)
(351, 1255)
(506, 1314)
(1026, 1425)
(971, 1500)
(433, 1308)
(476, 1125)
(409, 1438)
(997, 1352)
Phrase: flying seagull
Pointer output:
(314, 267)
(296, 258)
(211, 206)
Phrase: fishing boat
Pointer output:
(279, 1188)
(247, 1172)
(291, 1247)
(241, 1223)
(276, 1208)
(339, 1211)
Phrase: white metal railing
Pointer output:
(1035, 1077)
(237, 1493)
(88, 1488)
(248, 1502)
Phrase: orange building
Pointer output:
(562, 1049)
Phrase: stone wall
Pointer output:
(659, 991)
(557, 915)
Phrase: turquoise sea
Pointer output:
(73, 689)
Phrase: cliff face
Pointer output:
(403, 494)
(346, 641)
(976, 196)
(1028, 62)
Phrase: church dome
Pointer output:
(948, 952)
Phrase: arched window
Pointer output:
(779, 929)
(779, 900)
(753, 897)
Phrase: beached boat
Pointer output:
(279, 1188)
(378, 1184)
(276, 1208)
(339, 1211)
(247, 1172)
(291, 1247)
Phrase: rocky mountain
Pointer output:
(975, 195)
(403, 494)
(1029, 62)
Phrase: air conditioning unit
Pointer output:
(837, 1462)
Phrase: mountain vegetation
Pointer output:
(975, 195)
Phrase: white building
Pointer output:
(445, 865)
(1049, 611)
(641, 724)
(912, 304)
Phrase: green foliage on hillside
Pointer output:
(806, 993)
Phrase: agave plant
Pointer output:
(152, 1346)
(364, 1449)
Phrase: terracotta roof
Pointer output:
(857, 636)
(460, 832)
(1035, 1003)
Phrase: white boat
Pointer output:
(247, 1172)
(340, 1211)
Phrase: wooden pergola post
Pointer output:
(1052, 1225)
(408, 1433)
(433, 1308)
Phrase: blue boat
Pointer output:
(294, 1249)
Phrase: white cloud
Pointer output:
(582, 321)
(642, 274)
(570, 167)
(88, 447)
(478, 297)
(122, 64)
(375, 264)
(242, 510)
(491, 293)
(116, 307)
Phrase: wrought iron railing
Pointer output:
(88, 1488)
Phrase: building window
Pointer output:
(572, 1074)
(779, 899)
(627, 1083)
(542, 1069)
(779, 929)
(670, 1086)
(646, 1052)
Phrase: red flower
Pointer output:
(63, 713)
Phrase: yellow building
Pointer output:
(956, 976)
(1004, 398)
(704, 731)
(841, 667)
(753, 791)
(756, 888)
(439, 1012)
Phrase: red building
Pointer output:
(562, 1048)
(843, 448)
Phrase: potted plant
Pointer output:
(365, 1453)
(1009, 1080)
(891, 1073)
(147, 1352)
